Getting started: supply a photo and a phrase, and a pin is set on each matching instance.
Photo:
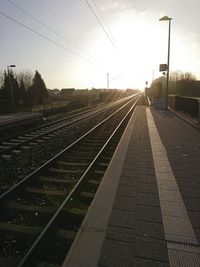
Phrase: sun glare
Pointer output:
(141, 47)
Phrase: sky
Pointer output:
(70, 49)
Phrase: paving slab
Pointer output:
(182, 144)
(122, 218)
(146, 199)
(120, 234)
(148, 231)
(125, 203)
(150, 248)
(178, 229)
(117, 254)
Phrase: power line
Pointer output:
(108, 29)
(50, 40)
(110, 32)
(90, 7)
(49, 28)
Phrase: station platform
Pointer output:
(147, 209)
(9, 120)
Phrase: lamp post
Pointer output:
(11, 89)
(166, 18)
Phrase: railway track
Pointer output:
(26, 153)
(41, 214)
(16, 140)
(19, 126)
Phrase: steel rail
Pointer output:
(5, 139)
(24, 261)
(31, 139)
(7, 193)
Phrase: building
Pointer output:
(67, 92)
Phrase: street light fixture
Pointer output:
(166, 18)
(11, 89)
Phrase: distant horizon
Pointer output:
(68, 88)
(90, 88)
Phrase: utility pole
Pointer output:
(107, 80)
(153, 75)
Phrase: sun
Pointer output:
(141, 47)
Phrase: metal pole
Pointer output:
(11, 90)
(153, 75)
(168, 59)
(107, 80)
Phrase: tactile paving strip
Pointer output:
(183, 249)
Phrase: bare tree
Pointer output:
(27, 77)
(175, 76)
(1, 78)
(181, 82)
(188, 77)
(178, 75)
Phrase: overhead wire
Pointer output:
(113, 41)
(108, 28)
(50, 40)
(50, 29)
(108, 31)
(100, 23)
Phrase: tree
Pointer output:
(6, 88)
(1, 78)
(181, 82)
(27, 77)
(184, 77)
(22, 92)
(38, 91)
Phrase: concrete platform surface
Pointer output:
(147, 209)
(17, 117)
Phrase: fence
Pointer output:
(185, 104)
